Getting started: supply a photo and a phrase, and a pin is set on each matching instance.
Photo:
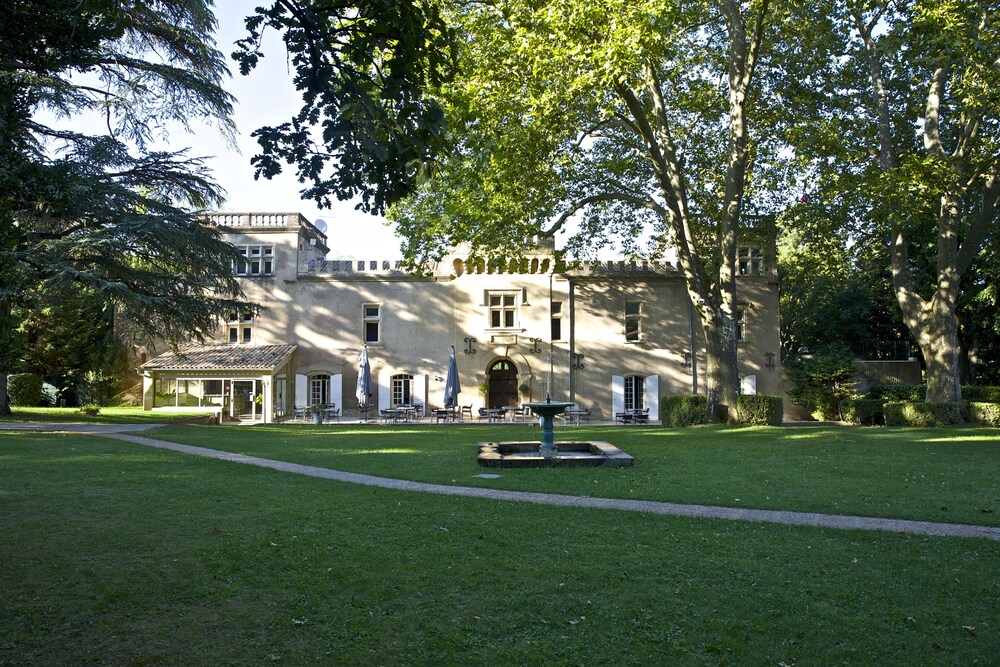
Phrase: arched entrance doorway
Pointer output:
(502, 375)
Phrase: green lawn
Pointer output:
(118, 554)
(945, 474)
(106, 416)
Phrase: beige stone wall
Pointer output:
(318, 306)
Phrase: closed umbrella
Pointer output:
(452, 388)
(364, 391)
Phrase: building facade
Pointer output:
(608, 336)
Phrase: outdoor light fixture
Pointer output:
(770, 360)
(687, 359)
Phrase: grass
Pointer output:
(118, 554)
(107, 415)
(943, 474)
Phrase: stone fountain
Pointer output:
(549, 453)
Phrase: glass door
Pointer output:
(244, 403)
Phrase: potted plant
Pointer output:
(525, 390)
(317, 413)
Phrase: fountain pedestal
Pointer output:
(547, 410)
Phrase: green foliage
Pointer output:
(922, 414)
(819, 383)
(984, 413)
(898, 392)
(927, 199)
(863, 411)
(90, 409)
(759, 409)
(362, 69)
(106, 215)
(680, 411)
(26, 389)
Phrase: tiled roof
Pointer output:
(222, 357)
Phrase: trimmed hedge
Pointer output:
(759, 409)
(898, 393)
(863, 411)
(984, 413)
(678, 411)
(977, 394)
(913, 413)
(25, 389)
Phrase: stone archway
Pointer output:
(502, 375)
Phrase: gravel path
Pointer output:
(646, 506)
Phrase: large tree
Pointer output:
(103, 210)
(908, 126)
(366, 129)
(629, 119)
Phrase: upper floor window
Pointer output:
(633, 321)
(372, 322)
(749, 260)
(258, 260)
(503, 310)
(402, 387)
(557, 320)
(240, 327)
(740, 320)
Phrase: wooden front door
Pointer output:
(502, 384)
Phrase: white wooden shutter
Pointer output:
(337, 390)
(384, 390)
(419, 390)
(617, 395)
(301, 390)
(653, 397)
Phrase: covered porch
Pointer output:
(236, 382)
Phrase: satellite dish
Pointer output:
(320, 224)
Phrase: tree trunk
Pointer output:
(936, 329)
(4, 355)
(721, 370)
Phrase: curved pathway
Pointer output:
(647, 506)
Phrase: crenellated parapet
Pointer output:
(621, 267)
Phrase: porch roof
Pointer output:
(195, 357)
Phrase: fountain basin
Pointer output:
(528, 454)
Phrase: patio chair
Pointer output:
(466, 410)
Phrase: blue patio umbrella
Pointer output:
(452, 388)
(364, 390)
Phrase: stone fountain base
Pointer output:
(528, 454)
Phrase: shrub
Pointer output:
(984, 413)
(863, 411)
(897, 393)
(26, 389)
(976, 394)
(913, 413)
(90, 409)
(678, 411)
(759, 409)
(820, 383)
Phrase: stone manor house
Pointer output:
(610, 336)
